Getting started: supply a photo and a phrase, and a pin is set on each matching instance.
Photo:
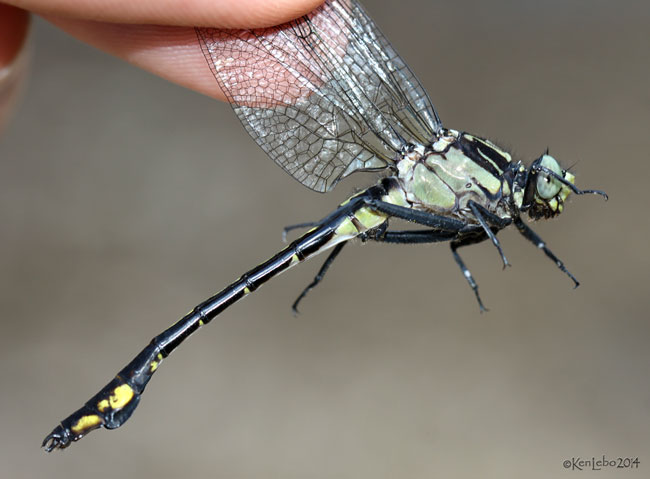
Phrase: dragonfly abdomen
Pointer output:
(114, 404)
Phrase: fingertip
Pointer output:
(188, 13)
(251, 13)
(14, 23)
(170, 52)
(173, 51)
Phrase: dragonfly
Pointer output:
(326, 96)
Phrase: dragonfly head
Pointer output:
(547, 188)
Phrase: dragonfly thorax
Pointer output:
(455, 169)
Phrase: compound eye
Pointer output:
(547, 186)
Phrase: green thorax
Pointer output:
(455, 169)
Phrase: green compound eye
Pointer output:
(548, 187)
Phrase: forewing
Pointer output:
(325, 95)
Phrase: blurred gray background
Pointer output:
(126, 200)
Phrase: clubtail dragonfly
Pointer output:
(325, 96)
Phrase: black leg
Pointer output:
(483, 216)
(319, 277)
(534, 238)
(420, 217)
(286, 229)
(433, 236)
(374, 233)
(414, 237)
(468, 276)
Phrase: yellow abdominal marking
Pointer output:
(155, 364)
(102, 405)
(86, 422)
(365, 218)
(368, 218)
(121, 396)
(346, 228)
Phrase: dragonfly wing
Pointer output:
(325, 95)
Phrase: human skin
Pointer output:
(155, 35)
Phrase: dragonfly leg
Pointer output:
(534, 238)
(373, 234)
(286, 229)
(466, 273)
(414, 237)
(487, 220)
(319, 276)
(423, 218)
(434, 236)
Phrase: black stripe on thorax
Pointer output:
(473, 147)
